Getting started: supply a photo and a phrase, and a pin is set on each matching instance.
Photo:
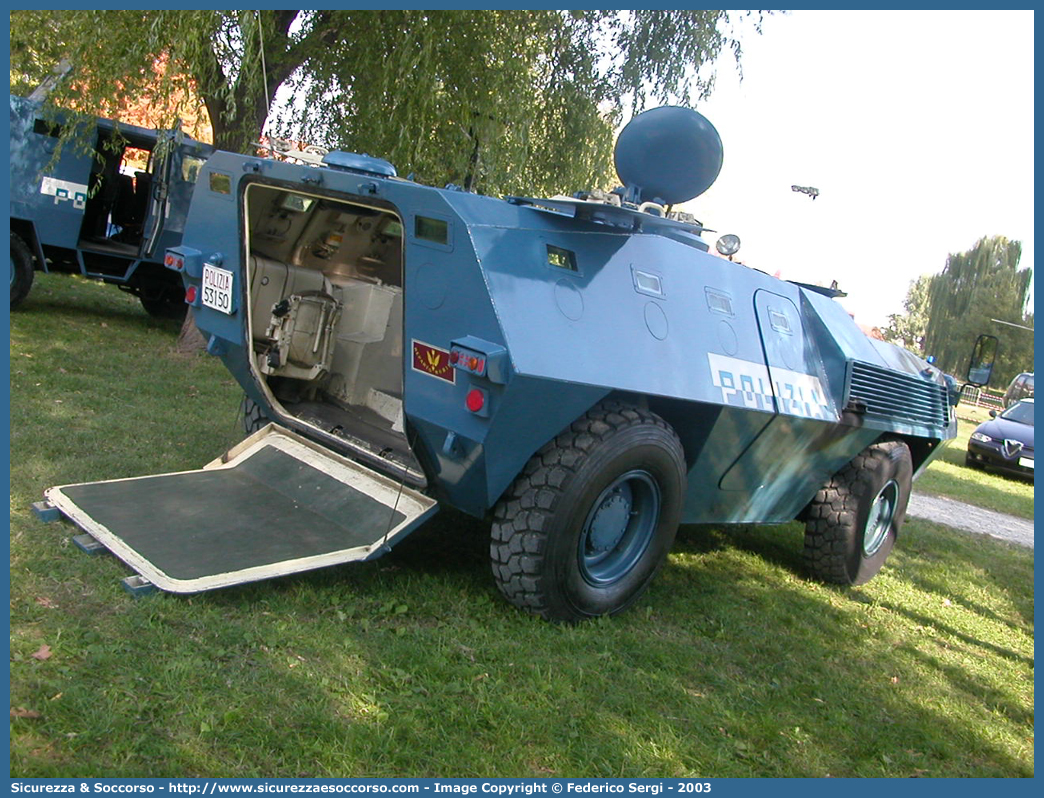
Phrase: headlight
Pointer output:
(978, 436)
(728, 244)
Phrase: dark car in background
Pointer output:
(1020, 388)
(1005, 442)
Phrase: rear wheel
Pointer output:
(853, 521)
(253, 417)
(21, 269)
(164, 304)
(585, 528)
(164, 308)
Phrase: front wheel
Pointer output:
(853, 520)
(586, 526)
(21, 269)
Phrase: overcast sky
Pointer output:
(916, 127)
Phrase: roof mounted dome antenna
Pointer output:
(667, 155)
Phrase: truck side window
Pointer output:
(47, 129)
(429, 229)
(190, 167)
(220, 183)
(562, 258)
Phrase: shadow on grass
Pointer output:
(780, 544)
(103, 313)
(930, 555)
(87, 300)
(976, 643)
(726, 667)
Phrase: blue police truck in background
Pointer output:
(581, 371)
(108, 212)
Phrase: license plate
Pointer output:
(1026, 462)
(217, 288)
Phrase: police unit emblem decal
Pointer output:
(65, 191)
(434, 361)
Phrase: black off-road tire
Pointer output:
(21, 269)
(853, 521)
(611, 486)
(168, 305)
(253, 418)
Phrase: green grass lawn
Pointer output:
(949, 476)
(732, 664)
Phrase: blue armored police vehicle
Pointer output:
(581, 371)
(107, 211)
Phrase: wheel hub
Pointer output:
(879, 520)
(619, 527)
(610, 520)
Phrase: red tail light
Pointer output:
(475, 400)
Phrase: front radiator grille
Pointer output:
(885, 394)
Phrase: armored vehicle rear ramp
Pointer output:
(275, 504)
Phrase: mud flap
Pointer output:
(275, 504)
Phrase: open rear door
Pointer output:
(275, 504)
(159, 189)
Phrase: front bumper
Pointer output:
(992, 455)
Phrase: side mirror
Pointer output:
(980, 366)
(993, 414)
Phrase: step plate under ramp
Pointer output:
(275, 504)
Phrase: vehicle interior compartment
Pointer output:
(121, 188)
(325, 314)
